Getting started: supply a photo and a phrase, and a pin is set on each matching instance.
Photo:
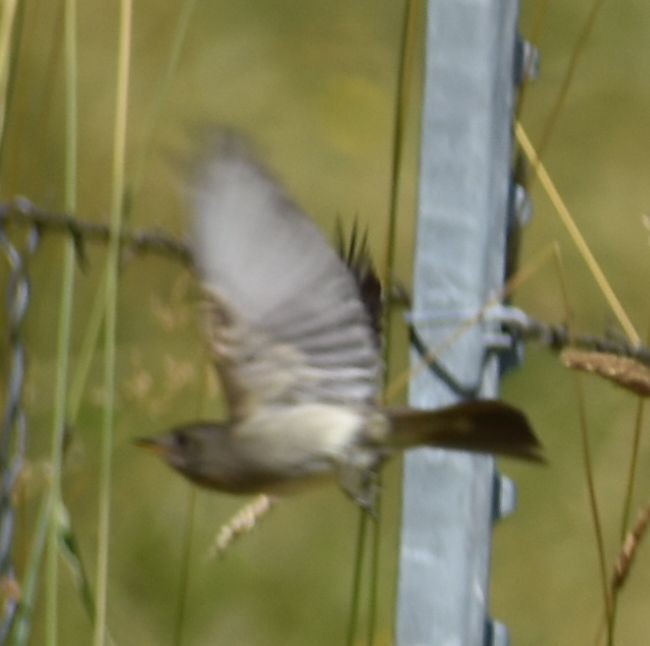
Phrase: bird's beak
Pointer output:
(155, 445)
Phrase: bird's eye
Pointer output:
(181, 440)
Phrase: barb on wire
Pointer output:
(22, 212)
(13, 430)
(557, 338)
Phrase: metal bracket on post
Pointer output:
(452, 499)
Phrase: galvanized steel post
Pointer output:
(450, 498)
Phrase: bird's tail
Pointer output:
(484, 426)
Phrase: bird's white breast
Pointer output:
(301, 433)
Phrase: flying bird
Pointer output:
(293, 329)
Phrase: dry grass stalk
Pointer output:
(623, 371)
(243, 522)
(630, 547)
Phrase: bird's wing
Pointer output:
(285, 318)
(354, 253)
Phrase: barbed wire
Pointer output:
(521, 328)
(22, 212)
(555, 338)
(14, 427)
(558, 337)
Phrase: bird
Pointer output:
(293, 328)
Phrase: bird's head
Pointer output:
(198, 451)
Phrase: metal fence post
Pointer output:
(451, 499)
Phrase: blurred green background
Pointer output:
(315, 84)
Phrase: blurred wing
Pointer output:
(285, 318)
(354, 253)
